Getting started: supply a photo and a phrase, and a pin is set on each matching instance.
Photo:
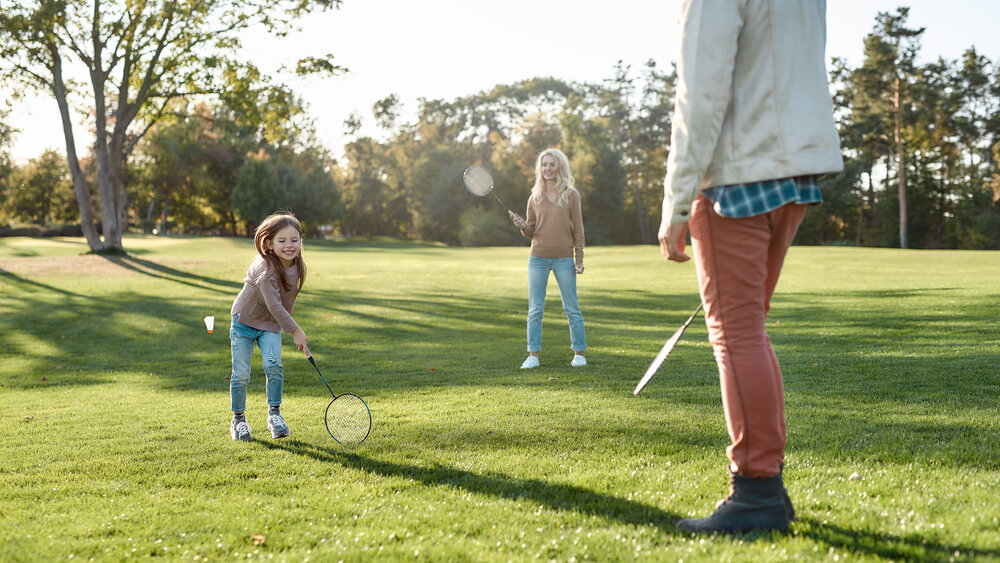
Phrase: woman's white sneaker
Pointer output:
(530, 362)
(578, 360)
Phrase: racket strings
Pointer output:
(478, 180)
(348, 419)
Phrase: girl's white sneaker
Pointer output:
(530, 362)
(578, 361)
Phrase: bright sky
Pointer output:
(443, 49)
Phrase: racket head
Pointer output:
(664, 352)
(348, 419)
(478, 180)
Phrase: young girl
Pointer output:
(260, 312)
(555, 227)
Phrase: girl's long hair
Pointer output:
(564, 178)
(265, 232)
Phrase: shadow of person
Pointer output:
(556, 496)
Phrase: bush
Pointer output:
(50, 230)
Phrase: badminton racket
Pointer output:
(347, 417)
(479, 182)
(664, 352)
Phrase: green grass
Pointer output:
(114, 403)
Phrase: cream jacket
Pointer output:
(752, 99)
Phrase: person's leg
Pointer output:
(737, 271)
(565, 272)
(270, 349)
(241, 338)
(538, 278)
(738, 263)
(241, 342)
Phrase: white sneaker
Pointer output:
(530, 362)
(276, 424)
(578, 361)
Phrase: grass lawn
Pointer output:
(115, 405)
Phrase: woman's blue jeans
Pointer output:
(242, 338)
(538, 278)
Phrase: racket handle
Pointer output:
(313, 362)
(501, 203)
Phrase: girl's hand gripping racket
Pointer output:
(347, 417)
(664, 352)
(479, 182)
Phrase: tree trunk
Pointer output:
(861, 210)
(641, 214)
(900, 161)
(79, 181)
(105, 182)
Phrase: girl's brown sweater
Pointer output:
(263, 303)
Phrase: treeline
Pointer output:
(919, 140)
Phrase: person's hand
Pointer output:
(518, 220)
(579, 268)
(301, 340)
(672, 237)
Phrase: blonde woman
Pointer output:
(554, 224)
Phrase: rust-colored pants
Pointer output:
(738, 262)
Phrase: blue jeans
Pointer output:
(242, 338)
(538, 278)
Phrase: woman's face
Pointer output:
(550, 168)
(286, 244)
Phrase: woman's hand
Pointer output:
(579, 268)
(518, 220)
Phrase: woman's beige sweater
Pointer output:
(555, 231)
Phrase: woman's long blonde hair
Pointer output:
(564, 178)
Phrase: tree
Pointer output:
(137, 57)
(41, 192)
(895, 47)
(6, 141)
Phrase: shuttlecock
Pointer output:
(210, 323)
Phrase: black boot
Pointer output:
(784, 496)
(753, 504)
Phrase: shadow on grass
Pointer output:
(24, 284)
(391, 342)
(555, 496)
(152, 269)
(910, 548)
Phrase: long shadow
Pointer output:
(167, 273)
(909, 548)
(32, 285)
(555, 496)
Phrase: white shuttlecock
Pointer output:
(210, 323)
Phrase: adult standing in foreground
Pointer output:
(752, 131)
(554, 224)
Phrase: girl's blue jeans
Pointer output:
(242, 338)
(538, 278)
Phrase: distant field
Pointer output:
(115, 403)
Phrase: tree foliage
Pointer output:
(920, 142)
(138, 57)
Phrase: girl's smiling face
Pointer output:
(286, 244)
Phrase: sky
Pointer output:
(444, 49)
